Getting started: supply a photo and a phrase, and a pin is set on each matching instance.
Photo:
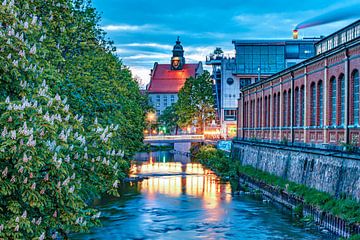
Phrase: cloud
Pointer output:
(127, 28)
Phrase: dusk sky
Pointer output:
(145, 31)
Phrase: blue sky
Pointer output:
(145, 31)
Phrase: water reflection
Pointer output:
(181, 199)
(176, 178)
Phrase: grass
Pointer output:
(345, 208)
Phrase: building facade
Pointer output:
(167, 79)
(315, 102)
(255, 60)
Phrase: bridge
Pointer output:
(173, 139)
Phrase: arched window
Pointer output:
(313, 104)
(333, 101)
(278, 107)
(275, 110)
(289, 109)
(321, 104)
(356, 102)
(266, 111)
(342, 99)
(260, 113)
(302, 108)
(285, 110)
(297, 107)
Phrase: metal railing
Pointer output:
(173, 137)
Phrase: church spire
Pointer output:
(177, 60)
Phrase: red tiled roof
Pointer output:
(165, 80)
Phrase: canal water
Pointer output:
(183, 200)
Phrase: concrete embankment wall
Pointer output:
(332, 172)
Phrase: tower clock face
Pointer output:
(175, 63)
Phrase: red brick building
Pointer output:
(314, 102)
(167, 79)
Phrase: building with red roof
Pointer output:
(167, 79)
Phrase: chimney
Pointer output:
(295, 34)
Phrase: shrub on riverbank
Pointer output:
(216, 160)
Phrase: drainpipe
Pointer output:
(347, 96)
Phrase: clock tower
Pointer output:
(178, 60)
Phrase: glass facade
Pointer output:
(269, 57)
(263, 59)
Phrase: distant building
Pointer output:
(167, 79)
(255, 60)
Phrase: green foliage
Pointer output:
(56, 154)
(169, 119)
(196, 102)
(345, 208)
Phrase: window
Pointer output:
(355, 91)
(165, 99)
(297, 107)
(343, 37)
(313, 104)
(230, 115)
(292, 51)
(230, 81)
(285, 110)
(278, 108)
(342, 99)
(266, 112)
(333, 101)
(275, 110)
(302, 108)
(172, 99)
(269, 101)
(321, 103)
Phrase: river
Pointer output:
(184, 200)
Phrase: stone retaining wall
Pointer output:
(331, 172)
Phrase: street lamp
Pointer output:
(150, 117)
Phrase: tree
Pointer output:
(196, 102)
(169, 119)
(218, 51)
(64, 142)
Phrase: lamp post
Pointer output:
(150, 117)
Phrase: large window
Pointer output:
(342, 99)
(297, 107)
(355, 89)
(285, 110)
(275, 111)
(302, 108)
(321, 104)
(278, 108)
(266, 111)
(333, 101)
(313, 104)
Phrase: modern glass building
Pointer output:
(255, 60)
(266, 57)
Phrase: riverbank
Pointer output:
(345, 211)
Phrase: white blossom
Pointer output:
(5, 172)
(24, 215)
(4, 132)
(71, 190)
(42, 236)
(115, 185)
